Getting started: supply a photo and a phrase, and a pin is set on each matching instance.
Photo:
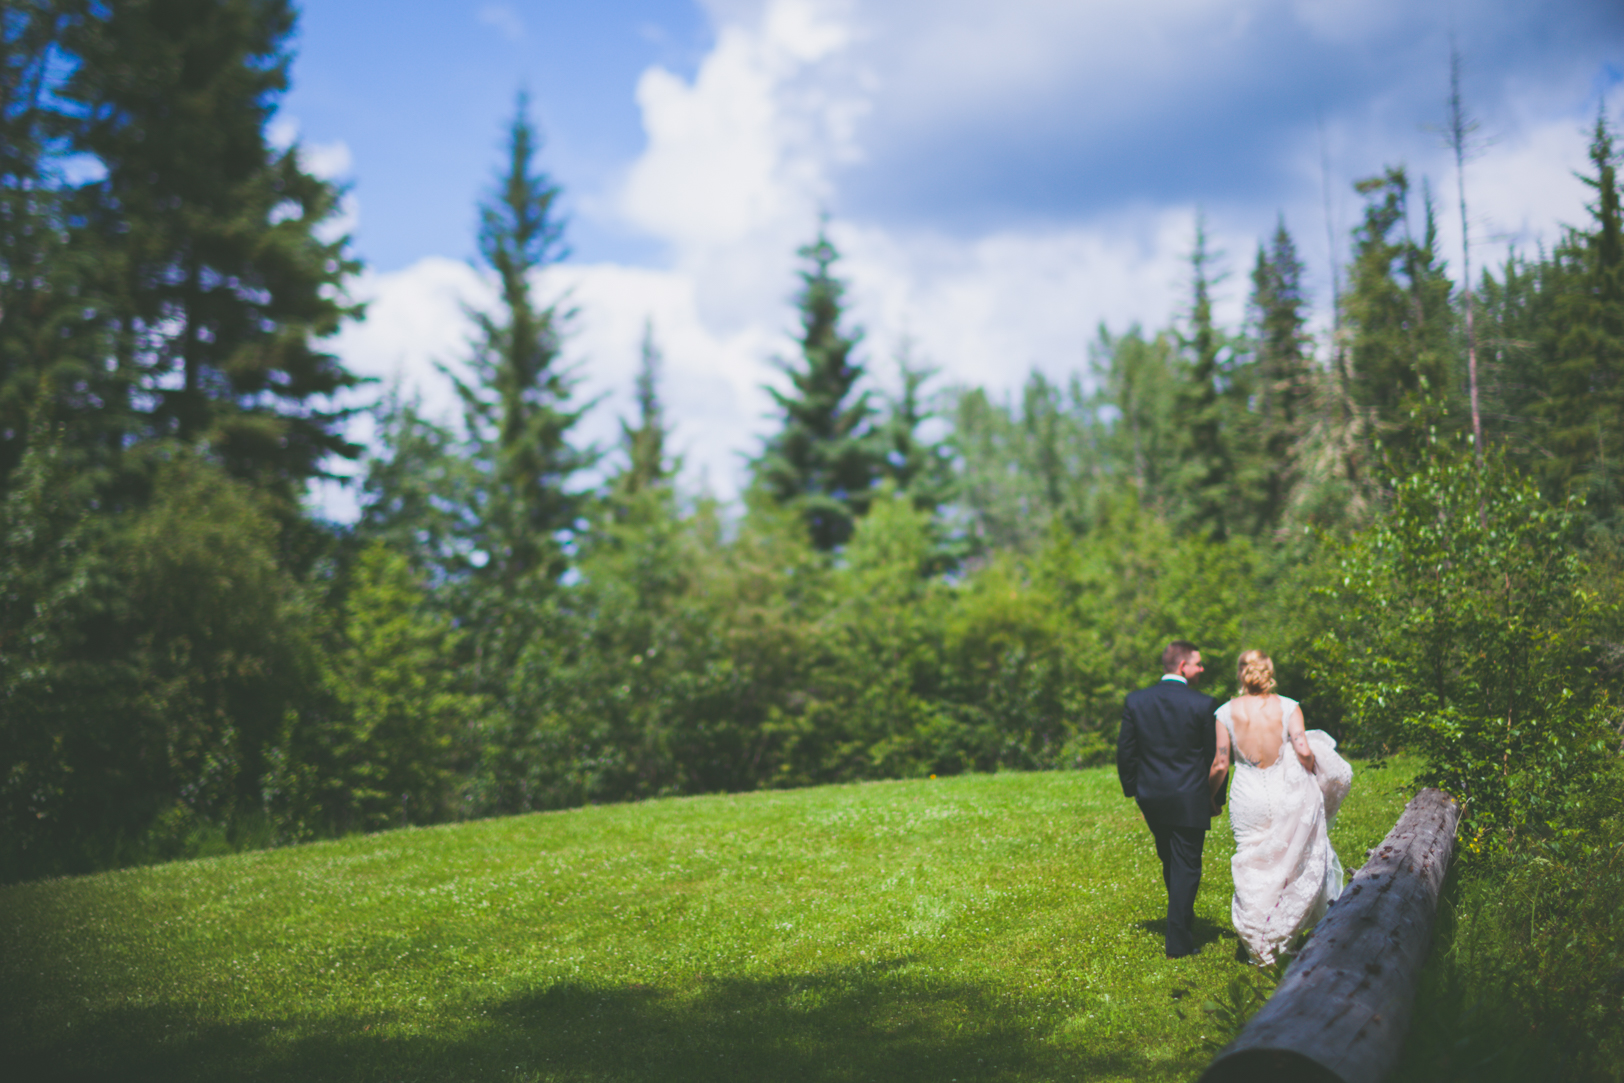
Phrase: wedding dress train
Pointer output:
(1284, 868)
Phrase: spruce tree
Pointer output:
(823, 461)
(1584, 402)
(644, 443)
(1139, 380)
(49, 335)
(217, 280)
(1208, 470)
(517, 404)
(1399, 315)
(920, 469)
(1283, 374)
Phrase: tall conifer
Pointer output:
(1585, 399)
(218, 285)
(919, 467)
(644, 443)
(1283, 375)
(1399, 315)
(1209, 453)
(823, 461)
(517, 405)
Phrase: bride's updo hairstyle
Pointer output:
(1256, 673)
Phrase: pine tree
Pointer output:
(919, 468)
(644, 443)
(1399, 315)
(1208, 469)
(1140, 381)
(419, 491)
(218, 284)
(1585, 366)
(1283, 374)
(517, 404)
(49, 337)
(822, 462)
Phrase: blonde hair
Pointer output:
(1256, 673)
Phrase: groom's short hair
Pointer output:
(1176, 654)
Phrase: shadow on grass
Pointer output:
(1206, 932)
(859, 1024)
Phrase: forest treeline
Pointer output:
(1417, 512)
(922, 580)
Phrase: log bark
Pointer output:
(1343, 1009)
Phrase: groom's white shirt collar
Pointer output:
(1174, 677)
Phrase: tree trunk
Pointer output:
(1343, 1009)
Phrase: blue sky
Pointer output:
(1002, 178)
(420, 92)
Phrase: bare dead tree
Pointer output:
(1458, 135)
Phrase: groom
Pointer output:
(1170, 759)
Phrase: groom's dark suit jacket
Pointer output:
(1165, 752)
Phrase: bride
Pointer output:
(1287, 786)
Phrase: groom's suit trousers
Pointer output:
(1180, 850)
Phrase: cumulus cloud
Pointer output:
(1004, 179)
(504, 19)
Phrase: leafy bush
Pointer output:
(1470, 631)
(150, 657)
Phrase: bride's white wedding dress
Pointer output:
(1285, 870)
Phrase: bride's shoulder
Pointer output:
(1287, 705)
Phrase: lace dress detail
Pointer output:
(1284, 868)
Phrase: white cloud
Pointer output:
(414, 322)
(794, 96)
(329, 161)
(504, 18)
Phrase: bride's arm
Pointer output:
(1299, 740)
(1220, 767)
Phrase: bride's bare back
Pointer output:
(1257, 730)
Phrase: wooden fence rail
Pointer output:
(1342, 1010)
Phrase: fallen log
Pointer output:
(1342, 1010)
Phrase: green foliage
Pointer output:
(1284, 377)
(1206, 408)
(215, 281)
(647, 466)
(917, 466)
(1468, 637)
(1554, 329)
(823, 461)
(150, 662)
(1524, 980)
(1021, 470)
(516, 405)
(1242, 997)
(1404, 362)
(1472, 634)
(380, 748)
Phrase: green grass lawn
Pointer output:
(985, 927)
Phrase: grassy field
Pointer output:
(985, 927)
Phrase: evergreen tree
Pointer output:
(918, 468)
(1283, 374)
(217, 281)
(823, 461)
(1585, 379)
(1139, 384)
(383, 752)
(419, 493)
(49, 341)
(517, 404)
(644, 443)
(1399, 314)
(1205, 406)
